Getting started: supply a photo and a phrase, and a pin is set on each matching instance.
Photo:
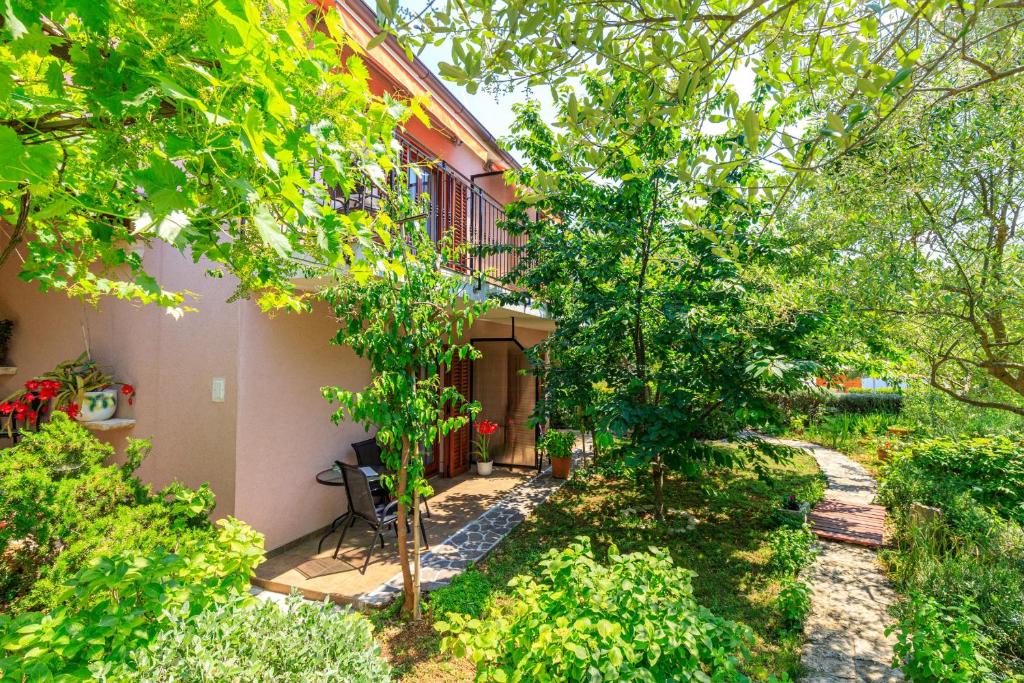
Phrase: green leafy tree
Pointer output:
(406, 316)
(921, 235)
(221, 128)
(826, 73)
(667, 309)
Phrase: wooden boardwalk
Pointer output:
(855, 523)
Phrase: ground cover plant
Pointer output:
(964, 569)
(297, 642)
(719, 527)
(631, 618)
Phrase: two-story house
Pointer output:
(231, 396)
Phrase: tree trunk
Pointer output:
(408, 587)
(416, 556)
(658, 474)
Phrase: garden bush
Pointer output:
(93, 563)
(792, 550)
(246, 642)
(937, 644)
(794, 603)
(118, 603)
(63, 507)
(989, 470)
(467, 593)
(971, 557)
(634, 618)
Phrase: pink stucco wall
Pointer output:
(285, 435)
(170, 362)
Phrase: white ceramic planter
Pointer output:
(98, 406)
(484, 468)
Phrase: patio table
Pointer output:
(333, 477)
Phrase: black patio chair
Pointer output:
(362, 506)
(368, 455)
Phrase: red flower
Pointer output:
(486, 427)
(71, 409)
(129, 391)
(6, 408)
(32, 385)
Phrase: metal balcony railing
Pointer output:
(457, 209)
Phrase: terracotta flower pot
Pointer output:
(561, 467)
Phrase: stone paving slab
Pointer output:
(473, 541)
(850, 596)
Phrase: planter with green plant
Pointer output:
(794, 511)
(77, 387)
(482, 447)
(558, 447)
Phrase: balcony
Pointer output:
(457, 209)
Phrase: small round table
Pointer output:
(332, 477)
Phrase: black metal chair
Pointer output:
(362, 506)
(368, 455)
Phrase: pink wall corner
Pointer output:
(170, 362)
(285, 434)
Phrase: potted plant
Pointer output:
(6, 326)
(558, 447)
(793, 510)
(482, 447)
(78, 387)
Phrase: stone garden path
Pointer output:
(850, 596)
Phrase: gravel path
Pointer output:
(850, 595)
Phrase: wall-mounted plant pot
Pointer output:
(561, 467)
(484, 468)
(98, 406)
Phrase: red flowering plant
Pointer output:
(482, 449)
(63, 388)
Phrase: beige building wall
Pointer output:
(170, 362)
(285, 434)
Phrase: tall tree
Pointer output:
(827, 72)
(224, 128)
(925, 231)
(406, 316)
(664, 306)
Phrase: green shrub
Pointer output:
(467, 593)
(117, 604)
(938, 644)
(989, 470)
(794, 603)
(974, 553)
(792, 550)
(632, 619)
(63, 507)
(297, 642)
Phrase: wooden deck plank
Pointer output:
(849, 522)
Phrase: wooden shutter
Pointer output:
(458, 441)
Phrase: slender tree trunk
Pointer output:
(416, 556)
(408, 587)
(658, 474)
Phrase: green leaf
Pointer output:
(270, 231)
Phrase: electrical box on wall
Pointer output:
(218, 389)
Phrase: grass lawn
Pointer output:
(718, 531)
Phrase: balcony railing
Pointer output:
(458, 210)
